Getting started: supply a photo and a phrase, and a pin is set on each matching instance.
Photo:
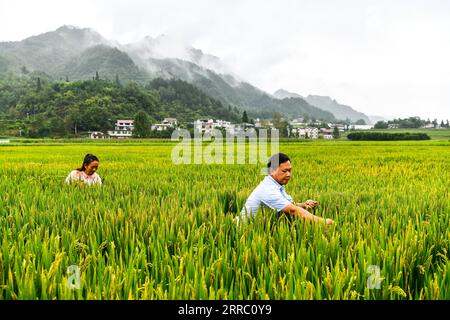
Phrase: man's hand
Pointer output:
(309, 204)
(328, 223)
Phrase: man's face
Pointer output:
(283, 173)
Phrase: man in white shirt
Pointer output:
(272, 194)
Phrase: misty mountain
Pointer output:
(107, 61)
(282, 94)
(163, 47)
(231, 91)
(79, 53)
(49, 51)
(166, 58)
(340, 111)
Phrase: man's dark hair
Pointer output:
(277, 159)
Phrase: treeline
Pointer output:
(411, 123)
(35, 106)
(385, 136)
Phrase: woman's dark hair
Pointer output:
(87, 159)
(276, 160)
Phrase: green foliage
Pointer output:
(64, 109)
(336, 133)
(281, 124)
(245, 117)
(411, 122)
(386, 136)
(189, 103)
(142, 125)
(381, 125)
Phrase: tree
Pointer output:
(324, 125)
(97, 78)
(280, 124)
(442, 124)
(39, 86)
(336, 134)
(435, 123)
(142, 125)
(381, 125)
(360, 122)
(24, 70)
(447, 124)
(244, 117)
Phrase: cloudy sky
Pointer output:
(382, 57)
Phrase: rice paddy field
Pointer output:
(156, 230)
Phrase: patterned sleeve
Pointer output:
(97, 179)
(71, 177)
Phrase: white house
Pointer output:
(326, 131)
(165, 124)
(207, 125)
(123, 129)
(97, 135)
(297, 122)
(222, 124)
(161, 126)
(267, 124)
(203, 125)
(341, 127)
(172, 121)
(310, 133)
(361, 127)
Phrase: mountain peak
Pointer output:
(339, 110)
(67, 27)
(282, 94)
(322, 100)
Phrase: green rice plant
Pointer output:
(156, 230)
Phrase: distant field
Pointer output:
(156, 230)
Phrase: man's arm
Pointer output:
(275, 200)
(302, 213)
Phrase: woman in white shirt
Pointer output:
(87, 172)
